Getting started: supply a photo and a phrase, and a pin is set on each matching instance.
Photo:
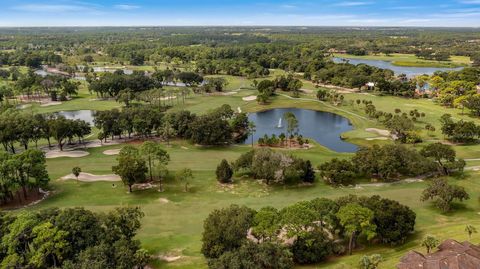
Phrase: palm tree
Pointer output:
(76, 171)
(470, 230)
(251, 130)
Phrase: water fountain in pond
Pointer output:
(280, 123)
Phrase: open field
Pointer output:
(412, 60)
(173, 219)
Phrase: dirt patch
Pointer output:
(87, 177)
(250, 98)
(143, 186)
(112, 152)
(70, 154)
(378, 131)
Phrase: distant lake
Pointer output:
(409, 71)
(86, 115)
(324, 127)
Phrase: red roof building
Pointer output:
(450, 255)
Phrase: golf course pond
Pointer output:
(407, 70)
(86, 115)
(323, 127)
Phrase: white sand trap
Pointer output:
(239, 109)
(378, 131)
(184, 147)
(168, 98)
(164, 200)
(24, 106)
(87, 177)
(97, 143)
(71, 154)
(52, 103)
(169, 258)
(250, 98)
(306, 90)
(112, 152)
(376, 138)
(228, 93)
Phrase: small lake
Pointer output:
(409, 71)
(324, 127)
(86, 115)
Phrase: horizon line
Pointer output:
(235, 25)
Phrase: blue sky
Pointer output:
(247, 12)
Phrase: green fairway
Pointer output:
(173, 219)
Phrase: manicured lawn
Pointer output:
(175, 227)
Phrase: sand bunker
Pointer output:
(51, 103)
(87, 177)
(250, 98)
(169, 258)
(112, 152)
(71, 154)
(378, 131)
(376, 138)
(24, 106)
(164, 200)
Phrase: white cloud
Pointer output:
(126, 7)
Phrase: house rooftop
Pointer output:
(450, 255)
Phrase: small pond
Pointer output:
(86, 115)
(324, 127)
(407, 70)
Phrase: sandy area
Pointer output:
(51, 103)
(71, 154)
(376, 138)
(87, 177)
(378, 131)
(306, 90)
(24, 106)
(250, 98)
(164, 200)
(112, 152)
(229, 93)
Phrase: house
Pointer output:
(450, 255)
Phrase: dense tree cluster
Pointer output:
(22, 173)
(72, 238)
(272, 166)
(304, 233)
(391, 162)
(460, 131)
(36, 86)
(30, 58)
(220, 126)
(24, 128)
(134, 163)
